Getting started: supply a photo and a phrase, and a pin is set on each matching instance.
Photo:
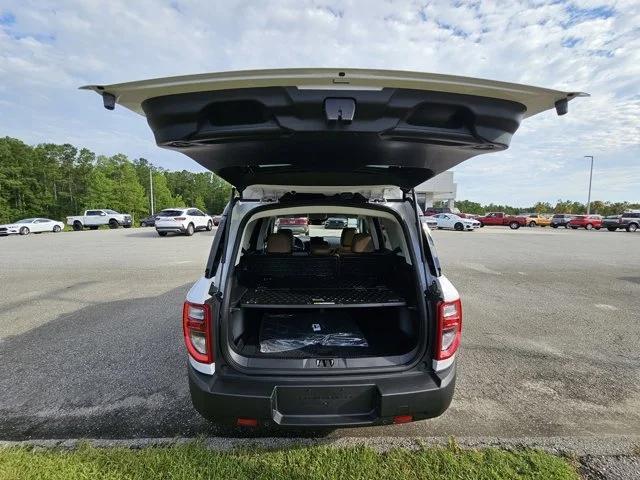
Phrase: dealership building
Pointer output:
(439, 188)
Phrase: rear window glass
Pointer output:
(170, 213)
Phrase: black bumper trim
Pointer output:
(327, 402)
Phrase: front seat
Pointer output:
(281, 242)
(346, 239)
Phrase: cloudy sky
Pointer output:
(48, 49)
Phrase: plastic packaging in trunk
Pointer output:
(283, 331)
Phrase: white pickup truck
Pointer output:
(94, 218)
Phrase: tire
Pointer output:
(514, 225)
(56, 228)
(554, 226)
(566, 225)
(597, 228)
(25, 231)
(190, 230)
(632, 227)
(532, 224)
(612, 229)
(588, 226)
(77, 226)
(458, 227)
(162, 234)
(209, 226)
(113, 224)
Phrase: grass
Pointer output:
(194, 461)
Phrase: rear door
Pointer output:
(331, 127)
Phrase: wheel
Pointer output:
(162, 234)
(532, 223)
(209, 226)
(77, 226)
(56, 228)
(113, 224)
(25, 231)
(190, 230)
(612, 229)
(143, 224)
(632, 227)
(566, 225)
(588, 226)
(458, 226)
(597, 228)
(554, 226)
(514, 225)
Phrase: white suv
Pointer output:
(182, 220)
(326, 329)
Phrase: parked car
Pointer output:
(537, 219)
(93, 219)
(149, 221)
(335, 223)
(451, 221)
(185, 221)
(295, 224)
(586, 221)
(561, 220)
(276, 337)
(629, 220)
(31, 225)
(501, 218)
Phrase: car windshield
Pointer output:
(26, 220)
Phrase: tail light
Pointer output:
(196, 326)
(179, 218)
(449, 329)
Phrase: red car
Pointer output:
(586, 221)
(295, 224)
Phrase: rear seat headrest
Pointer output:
(281, 242)
(362, 243)
(346, 238)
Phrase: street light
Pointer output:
(590, 178)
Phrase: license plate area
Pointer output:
(326, 400)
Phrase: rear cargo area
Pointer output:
(336, 332)
(336, 306)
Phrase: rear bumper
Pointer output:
(176, 229)
(338, 401)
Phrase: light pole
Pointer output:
(590, 178)
(151, 189)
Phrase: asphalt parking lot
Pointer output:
(90, 335)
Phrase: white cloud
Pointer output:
(46, 52)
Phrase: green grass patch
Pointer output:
(194, 461)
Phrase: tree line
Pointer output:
(561, 206)
(54, 181)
